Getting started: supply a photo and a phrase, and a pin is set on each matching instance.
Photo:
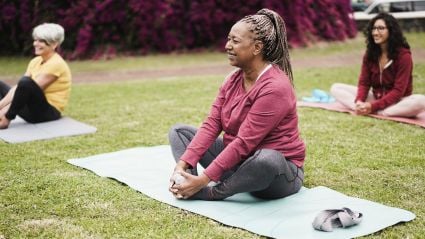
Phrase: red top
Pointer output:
(391, 85)
(263, 117)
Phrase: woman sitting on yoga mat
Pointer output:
(387, 69)
(42, 93)
(261, 151)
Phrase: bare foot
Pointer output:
(4, 122)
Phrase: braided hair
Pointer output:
(269, 28)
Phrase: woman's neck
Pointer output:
(251, 74)
(47, 56)
(384, 49)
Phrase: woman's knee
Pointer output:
(417, 99)
(181, 129)
(173, 131)
(4, 89)
(4, 85)
(409, 106)
(336, 88)
(175, 128)
(267, 158)
(26, 82)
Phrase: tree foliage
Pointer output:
(104, 27)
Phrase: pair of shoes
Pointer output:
(319, 96)
(327, 220)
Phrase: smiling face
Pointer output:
(240, 46)
(380, 32)
(41, 48)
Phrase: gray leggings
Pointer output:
(266, 174)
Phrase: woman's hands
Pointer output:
(181, 166)
(185, 185)
(363, 108)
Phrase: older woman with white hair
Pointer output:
(43, 92)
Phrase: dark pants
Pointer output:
(266, 174)
(29, 102)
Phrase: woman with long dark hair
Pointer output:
(386, 70)
(261, 151)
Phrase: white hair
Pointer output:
(49, 32)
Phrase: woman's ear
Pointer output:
(54, 45)
(258, 47)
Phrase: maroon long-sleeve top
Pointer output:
(263, 117)
(388, 86)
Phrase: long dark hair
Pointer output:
(269, 28)
(395, 38)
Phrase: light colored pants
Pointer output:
(408, 106)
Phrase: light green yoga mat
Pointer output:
(147, 170)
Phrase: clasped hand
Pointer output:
(190, 185)
(363, 108)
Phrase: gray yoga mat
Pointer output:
(20, 131)
(147, 170)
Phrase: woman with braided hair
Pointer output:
(261, 151)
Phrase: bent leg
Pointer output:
(4, 89)
(409, 106)
(30, 103)
(344, 94)
(181, 135)
(266, 174)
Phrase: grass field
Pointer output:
(42, 196)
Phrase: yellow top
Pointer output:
(57, 93)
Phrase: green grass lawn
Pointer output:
(42, 196)
(15, 66)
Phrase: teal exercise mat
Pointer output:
(20, 131)
(147, 170)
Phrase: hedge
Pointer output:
(108, 27)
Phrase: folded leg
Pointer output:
(266, 174)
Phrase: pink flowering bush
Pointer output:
(102, 28)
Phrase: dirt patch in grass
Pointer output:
(340, 60)
(59, 227)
